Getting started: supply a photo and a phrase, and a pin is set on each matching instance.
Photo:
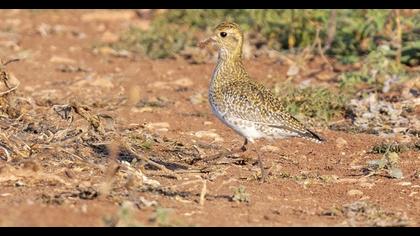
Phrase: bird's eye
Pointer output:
(223, 34)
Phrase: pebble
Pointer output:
(412, 194)
(340, 142)
(208, 134)
(62, 60)
(354, 192)
(158, 126)
(367, 185)
(269, 148)
(347, 180)
(184, 82)
(109, 37)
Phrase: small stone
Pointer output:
(141, 110)
(157, 125)
(184, 82)
(354, 192)
(269, 148)
(412, 194)
(348, 181)
(19, 183)
(159, 85)
(340, 142)
(102, 82)
(62, 60)
(404, 183)
(293, 70)
(197, 99)
(109, 37)
(367, 185)
(84, 209)
(105, 50)
(96, 82)
(208, 123)
(208, 134)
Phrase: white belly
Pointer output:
(247, 129)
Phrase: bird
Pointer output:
(242, 103)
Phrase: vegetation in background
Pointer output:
(377, 68)
(345, 34)
(313, 102)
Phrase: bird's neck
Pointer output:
(229, 65)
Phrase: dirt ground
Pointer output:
(309, 184)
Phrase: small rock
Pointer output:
(412, 194)
(208, 134)
(99, 82)
(159, 85)
(354, 192)
(340, 142)
(105, 50)
(269, 148)
(367, 185)
(109, 37)
(293, 70)
(19, 183)
(184, 82)
(84, 208)
(404, 183)
(197, 99)
(347, 181)
(158, 125)
(62, 60)
(208, 123)
(147, 203)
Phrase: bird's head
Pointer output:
(228, 38)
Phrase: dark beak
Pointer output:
(204, 43)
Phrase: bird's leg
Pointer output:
(260, 163)
(243, 148)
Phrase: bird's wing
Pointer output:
(253, 102)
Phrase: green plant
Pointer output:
(319, 103)
(388, 164)
(376, 68)
(357, 32)
(240, 195)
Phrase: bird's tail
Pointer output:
(312, 136)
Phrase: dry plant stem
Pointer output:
(226, 153)
(203, 193)
(152, 163)
(399, 35)
(331, 29)
(83, 111)
(10, 90)
(321, 50)
(10, 61)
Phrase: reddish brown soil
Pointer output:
(304, 198)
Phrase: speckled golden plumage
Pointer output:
(240, 102)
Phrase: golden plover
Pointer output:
(240, 102)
